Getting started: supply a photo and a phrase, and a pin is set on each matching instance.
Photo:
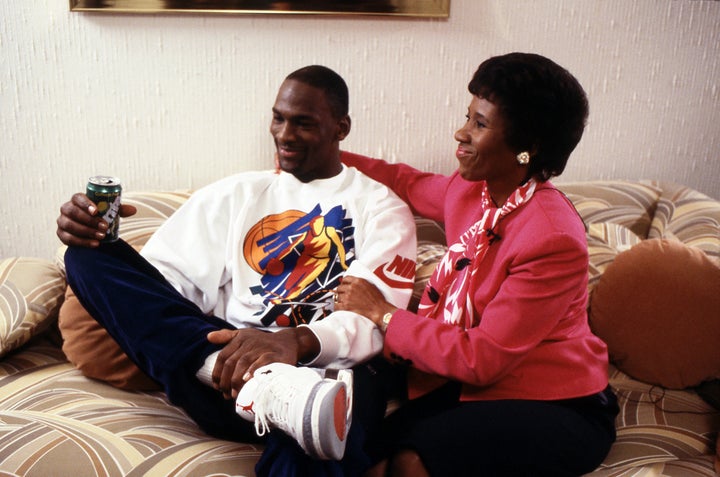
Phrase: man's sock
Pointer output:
(204, 374)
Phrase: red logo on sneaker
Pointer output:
(399, 273)
(248, 408)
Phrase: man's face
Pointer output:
(306, 134)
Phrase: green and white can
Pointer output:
(105, 192)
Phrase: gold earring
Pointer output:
(523, 158)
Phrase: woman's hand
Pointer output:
(79, 223)
(362, 297)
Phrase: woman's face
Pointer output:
(482, 151)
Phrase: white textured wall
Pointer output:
(179, 101)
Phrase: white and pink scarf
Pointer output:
(448, 296)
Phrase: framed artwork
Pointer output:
(409, 8)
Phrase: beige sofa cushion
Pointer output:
(55, 422)
(627, 203)
(688, 216)
(31, 291)
(605, 241)
(660, 432)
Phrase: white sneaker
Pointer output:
(312, 410)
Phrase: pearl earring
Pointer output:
(523, 158)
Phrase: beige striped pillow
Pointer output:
(31, 291)
(605, 241)
(688, 216)
(627, 203)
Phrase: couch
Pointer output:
(663, 339)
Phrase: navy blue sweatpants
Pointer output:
(166, 336)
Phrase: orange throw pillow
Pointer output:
(657, 306)
(94, 352)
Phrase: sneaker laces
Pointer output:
(274, 403)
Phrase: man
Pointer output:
(253, 253)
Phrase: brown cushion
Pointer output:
(657, 308)
(93, 351)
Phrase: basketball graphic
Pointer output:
(253, 250)
(300, 257)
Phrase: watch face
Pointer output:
(386, 320)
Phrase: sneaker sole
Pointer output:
(346, 376)
(324, 433)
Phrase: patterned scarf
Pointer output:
(448, 295)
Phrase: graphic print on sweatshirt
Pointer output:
(301, 258)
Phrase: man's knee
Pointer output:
(79, 261)
(77, 255)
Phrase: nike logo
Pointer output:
(399, 273)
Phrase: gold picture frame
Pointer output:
(409, 8)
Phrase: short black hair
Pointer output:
(331, 83)
(544, 107)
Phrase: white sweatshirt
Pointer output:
(265, 250)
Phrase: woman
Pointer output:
(505, 377)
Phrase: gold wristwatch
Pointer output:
(385, 321)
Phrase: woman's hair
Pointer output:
(331, 83)
(544, 107)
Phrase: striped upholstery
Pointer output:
(428, 256)
(430, 250)
(660, 432)
(631, 204)
(605, 241)
(688, 216)
(153, 209)
(54, 421)
(30, 295)
(617, 215)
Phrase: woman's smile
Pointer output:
(463, 153)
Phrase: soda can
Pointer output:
(105, 192)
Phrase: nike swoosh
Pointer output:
(399, 273)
